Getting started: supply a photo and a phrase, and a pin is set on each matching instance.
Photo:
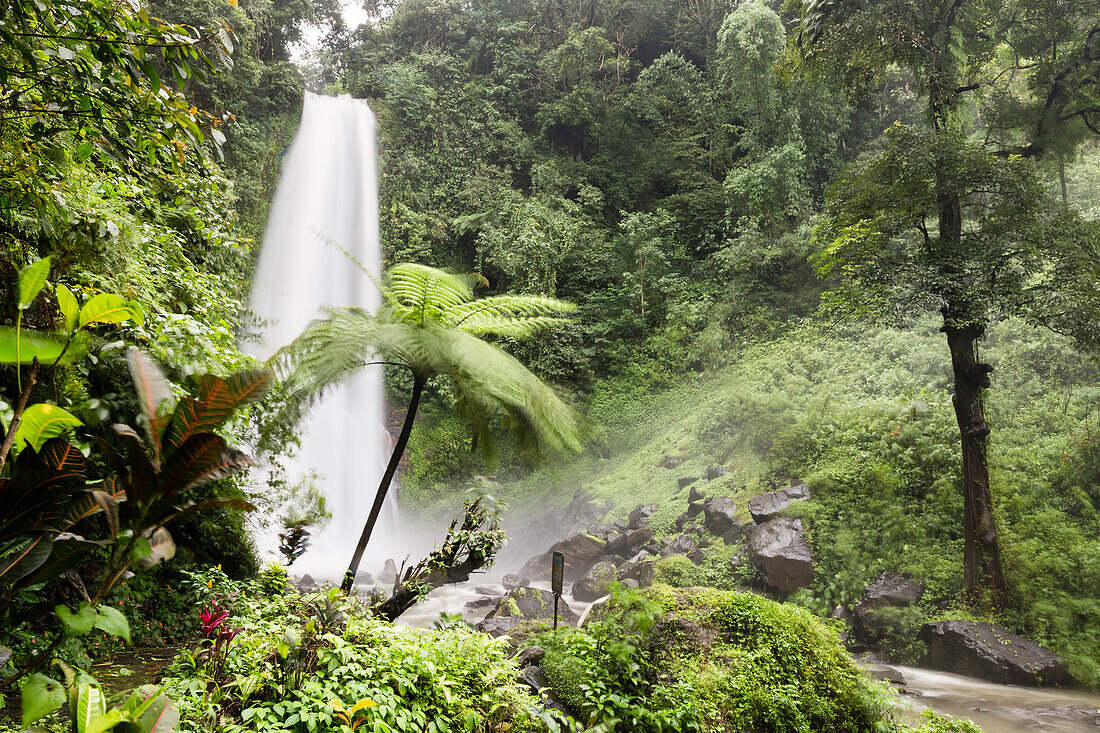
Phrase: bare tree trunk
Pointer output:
(982, 573)
(384, 485)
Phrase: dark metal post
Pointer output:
(557, 578)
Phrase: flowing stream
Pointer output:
(322, 233)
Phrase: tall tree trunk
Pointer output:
(982, 573)
(384, 486)
(983, 579)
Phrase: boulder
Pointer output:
(498, 625)
(992, 653)
(532, 604)
(889, 589)
(684, 481)
(581, 513)
(531, 656)
(306, 583)
(595, 583)
(737, 534)
(511, 580)
(700, 556)
(641, 571)
(536, 679)
(486, 590)
(639, 517)
(683, 544)
(483, 602)
(580, 550)
(782, 554)
(764, 507)
(629, 542)
(720, 515)
(695, 495)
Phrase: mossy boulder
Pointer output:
(532, 604)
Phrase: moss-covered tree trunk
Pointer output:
(983, 578)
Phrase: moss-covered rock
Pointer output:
(710, 660)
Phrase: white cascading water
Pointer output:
(327, 196)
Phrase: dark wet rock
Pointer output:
(992, 653)
(886, 673)
(486, 590)
(890, 590)
(714, 471)
(782, 554)
(532, 604)
(720, 513)
(680, 545)
(580, 550)
(695, 495)
(621, 525)
(531, 656)
(737, 534)
(700, 556)
(628, 543)
(641, 571)
(684, 481)
(595, 583)
(306, 583)
(630, 583)
(764, 507)
(498, 625)
(578, 515)
(537, 680)
(483, 602)
(639, 517)
(511, 580)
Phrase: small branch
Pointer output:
(20, 408)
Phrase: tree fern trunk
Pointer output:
(384, 486)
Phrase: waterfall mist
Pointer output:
(325, 209)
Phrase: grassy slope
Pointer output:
(865, 417)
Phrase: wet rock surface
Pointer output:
(532, 604)
(991, 653)
(596, 581)
(764, 507)
(782, 554)
(720, 513)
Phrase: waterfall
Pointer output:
(325, 208)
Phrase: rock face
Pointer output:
(531, 604)
(498, 625)
(594, 583)
(639, 569)
(720, 514)
(782, 554)
(890, 589)
(992, 653)
(639, 518)
(680, 545)
(580, 550)
(511, 580)
(764, 507)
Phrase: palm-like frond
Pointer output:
(430, 324)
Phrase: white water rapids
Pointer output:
(325, 209)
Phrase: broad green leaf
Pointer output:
(105, 308)
(46, 348)
(90, 704)
(41, 422)
(40, 697)
(160, 717)
(111, 620)
(31, 279)
(79, 623)
(70, 308)
(106, 721)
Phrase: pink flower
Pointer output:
(211, 618)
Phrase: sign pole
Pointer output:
(557, 577)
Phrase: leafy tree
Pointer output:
(947, 223)
(430, 325)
